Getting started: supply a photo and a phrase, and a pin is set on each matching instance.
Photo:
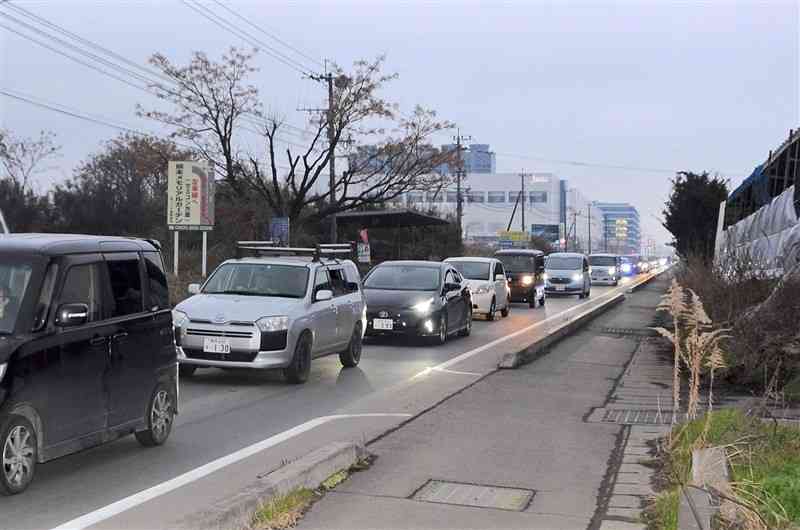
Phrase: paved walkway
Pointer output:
(531, 429)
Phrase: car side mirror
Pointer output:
(324, 295)
(450, 287)
(69, 315)
(194, 288)
(499, 277)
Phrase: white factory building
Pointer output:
(551, 208)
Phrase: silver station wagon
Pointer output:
(273, 312)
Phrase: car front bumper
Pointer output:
(261, 360)
(564, 288)
(522, 293)
(481, 303)
(605, 279)
(249, 348)
(405, 322)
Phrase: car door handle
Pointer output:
(120, 335)
(97, 341)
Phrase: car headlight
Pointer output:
(626, 267)
(179, 319)
(424, 307)
(612, 270)
(527, 279)
(3, 368)
(484, 288)
(544, 276)
(268, 324)
(577, 277)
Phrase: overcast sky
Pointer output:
(655, 85)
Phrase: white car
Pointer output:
(487, 282)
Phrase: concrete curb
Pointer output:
(535, 350)
(236, 512)
(698, 507)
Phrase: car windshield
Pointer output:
(14, 280)
(255, 279)
(403, 278)
(518, 263)
(608, 261)
(563, 263)
(472, 270)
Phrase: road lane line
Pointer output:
(466, 355)
(116, 508)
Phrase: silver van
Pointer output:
(272, 312)
(568, 273)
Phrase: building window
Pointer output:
(476, 196)
(513, 196)
(435, 196)
(452, 197)
(496, 196)
(537, 197)
(414, 197)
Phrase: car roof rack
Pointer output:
(317, 253)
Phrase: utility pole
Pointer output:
(589, 217)
(575, 233)
(459, 175)
(522, 177)
(341, 82)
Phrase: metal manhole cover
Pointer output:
(632, 332)
(476, 495)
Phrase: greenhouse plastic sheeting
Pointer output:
(770, 236)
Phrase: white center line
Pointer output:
(97, 516)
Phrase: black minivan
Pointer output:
(525, 272)
(87, 348)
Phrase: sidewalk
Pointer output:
(527, 429)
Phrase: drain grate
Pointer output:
(631, 332)
(476, 495)
(631, 416)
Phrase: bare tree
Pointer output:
(210, 100)
(21, 158)
(388, 154)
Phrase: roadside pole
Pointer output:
(175, 253)
(205, 253)
(589, 217)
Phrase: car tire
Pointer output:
(297, 371)
(541, 301)
(492, 310)
(18, 454)
(506, 310)
(352, 355)
(467, 325)
(160, 418)
(443, 330)
(186, 370)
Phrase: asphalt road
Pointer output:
(224, 411)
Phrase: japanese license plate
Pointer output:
(216, 345)
(560, 288)
(386, 324)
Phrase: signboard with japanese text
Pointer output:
(364, 254)
(513, 239)
(190, 196)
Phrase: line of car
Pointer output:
(90, 349)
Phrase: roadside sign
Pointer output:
(513, 239)
(279, 231)
(190, 196)
(364, 253)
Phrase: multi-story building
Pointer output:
(621, 227)
(476, 158)
(494, 202)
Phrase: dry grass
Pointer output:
(285, 511)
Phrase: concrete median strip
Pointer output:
(309, 472)
(535, 350)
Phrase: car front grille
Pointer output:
(560, 280)
(236, 357)
(220, 333)
(273, 340)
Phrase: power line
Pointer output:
(242, 34)
(586, 164)
(268, 34)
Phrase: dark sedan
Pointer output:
(417, 298)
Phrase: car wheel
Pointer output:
(443, 331)
(506, 310)
(160, 417)
(468, 325)
(187, 370)
(588, 293)
(492, 310)
(352, 355)
(297, 372)
(18, 455)
(541, 301)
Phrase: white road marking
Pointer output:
(466, 355)
(100, 515)
(431, 369)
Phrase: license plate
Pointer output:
(560, 288)
(216, 345)
(386, 324)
